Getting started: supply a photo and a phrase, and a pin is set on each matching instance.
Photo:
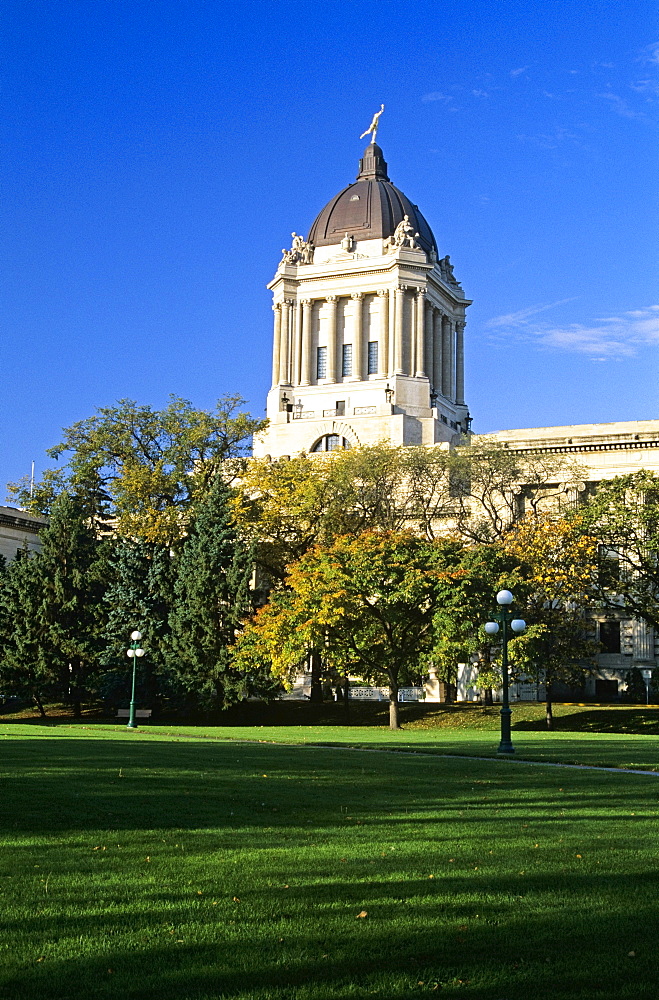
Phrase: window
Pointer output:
(372, 357)
(321, 362)
(340, 410)
(608, 567)
(346, 366)
(331, 442)
(610, 637)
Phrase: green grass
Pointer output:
(187, 867)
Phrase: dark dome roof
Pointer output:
(369, 209)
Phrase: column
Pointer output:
(383, 336)
(276, 346)
(459, 362)
(296, 340)
(331, 339)
(284, 353)
(358, 337)
(437, 350)
(305, 370)
(420, 332)
(447, 344)
(428, 352)
(643, 636)
(398, 329)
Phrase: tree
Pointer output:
(140, 596)
(72, 574)
(143, 469)
(26, 668)
(211, 597)
(476, 492)
(623, 515)
(558, 567)
(369, 602)
(493, 486)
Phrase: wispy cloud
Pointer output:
(603, 338)
(480, 93)
(518, 72)
(436, 95)
(650, 54)
(620, 106)
(552, 140)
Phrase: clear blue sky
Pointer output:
(157, 155)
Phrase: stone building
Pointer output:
(369, 327)
(19, 531)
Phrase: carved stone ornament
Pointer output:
(301, 252)
(446, 271)
(404, 236)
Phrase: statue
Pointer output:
(404, 235)
(373, 127)
(347, 243)
(446, 270)
(301, 252)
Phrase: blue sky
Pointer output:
(157, 155)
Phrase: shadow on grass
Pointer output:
(222, 870)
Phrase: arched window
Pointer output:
(331, 442)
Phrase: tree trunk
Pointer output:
(346, 698)
(39, 704)
(316, 693)
(487, 697)
(549, 715)
(394, 722)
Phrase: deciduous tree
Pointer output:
(369, 602)
(143, 469)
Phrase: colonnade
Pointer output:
(415, 337)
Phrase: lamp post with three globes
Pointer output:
(504, 620)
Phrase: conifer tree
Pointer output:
(211, 597)
(140, 596)
(26, 670)
(71, 574)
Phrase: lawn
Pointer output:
(187, 867)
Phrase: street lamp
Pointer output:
(647, 677)
(504, 620)
(133, 653)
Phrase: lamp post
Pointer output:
(133, 653)
(647, 677)
(504, 620)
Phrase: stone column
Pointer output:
(398, 329)
(447, 345)
(276, 345)
(305, 375)
(332, 302)
(358, 337)
(437, 350)
(420, 331)
(429, 354)
(383, 335)
(296, 340)
(459, 362)
(643, 636)
(284, 353)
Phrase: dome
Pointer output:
(369, 209)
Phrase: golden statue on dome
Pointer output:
(373, 127)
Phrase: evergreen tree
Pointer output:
(71, 572)
(211, 597)
(139, 597)
(26, 669)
